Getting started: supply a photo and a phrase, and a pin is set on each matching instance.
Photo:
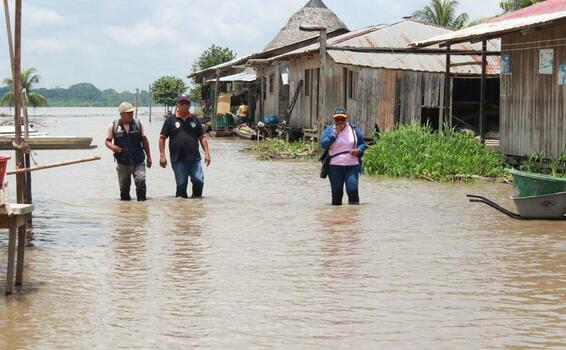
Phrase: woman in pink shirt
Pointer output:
(344, 143)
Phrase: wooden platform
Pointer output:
(51, 143)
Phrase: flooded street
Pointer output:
(264, 262)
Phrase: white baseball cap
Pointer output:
(126, 107)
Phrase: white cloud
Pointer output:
(40, 17)
(142, 34)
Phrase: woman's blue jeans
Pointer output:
(339, 176)
(183, 170)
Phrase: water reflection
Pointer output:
(263, 263)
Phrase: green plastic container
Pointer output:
(527, 184)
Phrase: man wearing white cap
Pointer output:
(127, 140)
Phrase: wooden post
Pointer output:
(216, 94)
(261, 98)
(137, 101)
(483, 91)
(150, 102)
(11, 260)
(22, 234)
(28, 198)
(322, 84)
(447, 117)
(16, 76)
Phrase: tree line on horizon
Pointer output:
(77, 95)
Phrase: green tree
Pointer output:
(514, 5)
(443, 13)
(211, 57)
(166, 89)
(28, 78)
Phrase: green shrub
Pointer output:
(279, 149)
(417, 151)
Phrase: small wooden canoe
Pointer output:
(50, 142)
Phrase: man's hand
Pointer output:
(355, 152)
(116, 149)
(207, 159)
(149, 162)
(163, 161)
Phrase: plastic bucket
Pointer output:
(3, 166)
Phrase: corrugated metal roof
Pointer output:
(246, 76)
(399, 35)
(492, 29)
(234, 62)
(414, 62)
(548, 6)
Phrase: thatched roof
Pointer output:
(314, 12)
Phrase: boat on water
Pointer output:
(43, 141)
(245, 132)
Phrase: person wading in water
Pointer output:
(184, 132)
(127, 140)
(344, 143)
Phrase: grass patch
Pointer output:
(417, 151)
(279, 149)
(538, 163)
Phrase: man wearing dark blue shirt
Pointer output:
(184, 132)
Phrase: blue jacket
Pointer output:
(328, 139)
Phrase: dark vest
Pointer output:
(130, 142)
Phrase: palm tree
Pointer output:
(29, 77)
(514, 5)
(443, 13)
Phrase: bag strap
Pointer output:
(338, 154)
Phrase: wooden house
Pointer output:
(373, 73)
(533, 76)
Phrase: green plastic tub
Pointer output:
(527, 184)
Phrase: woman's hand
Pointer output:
(355, 152)
(338, 129)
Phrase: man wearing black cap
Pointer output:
(184, 132)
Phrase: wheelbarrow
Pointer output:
(545, 207)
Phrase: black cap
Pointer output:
(183, 98)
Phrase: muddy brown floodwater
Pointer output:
(264, 262)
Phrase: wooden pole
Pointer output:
(137, 101)
(150, 102)
(262, 96)
(28, 198)
(54, 165)
(16, 77)
(447, 119)
(483, 91)
(322, 84)
(216, 94)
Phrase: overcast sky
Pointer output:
(127, 44)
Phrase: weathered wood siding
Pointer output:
(382, 97)
(532, 112)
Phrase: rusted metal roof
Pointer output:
(415, 62)
(399, 35)
(541, 8)
(493, 29)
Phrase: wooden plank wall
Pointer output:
(533, 116)
(272, 98)
(383, 97)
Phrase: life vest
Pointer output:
(130, 142)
